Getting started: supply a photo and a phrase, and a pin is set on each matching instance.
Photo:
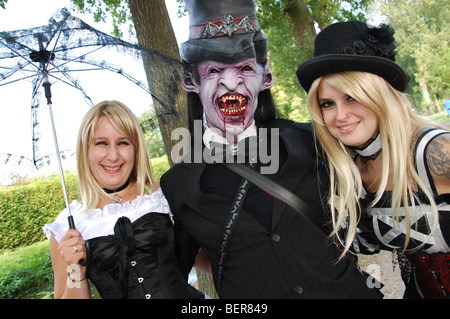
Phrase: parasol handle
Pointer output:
(46, 85)
(71, 223)
(48, 95)
(82, 262)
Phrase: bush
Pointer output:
(24, 209)
(24, 269)
(160, 166)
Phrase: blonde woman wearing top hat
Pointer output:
(389, 168)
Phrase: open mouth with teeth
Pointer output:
(112, 169)
(233, 104)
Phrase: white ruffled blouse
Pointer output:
(101, 222)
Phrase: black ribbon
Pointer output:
(125, 236)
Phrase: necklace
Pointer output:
(370, 150)
(116, 198)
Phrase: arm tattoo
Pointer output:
(438, 156)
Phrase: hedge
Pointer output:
(24, 209)
(160, 166)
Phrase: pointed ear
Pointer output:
(268, 78)
(189, 83)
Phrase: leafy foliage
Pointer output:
(160, 166)
(102, 9)
(152, 133)
(24, 209)
(422, 34)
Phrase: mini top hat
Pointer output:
(226, 31)
(353, 46)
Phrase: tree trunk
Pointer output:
(304, 31)
(425, 93)
(154, 31)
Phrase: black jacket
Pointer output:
(285, 258)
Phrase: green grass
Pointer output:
(441, 118)
(24, 269)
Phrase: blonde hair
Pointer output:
(123, 120)
(392, 107)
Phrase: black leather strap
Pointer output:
(274, 189)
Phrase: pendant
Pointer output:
(117, 199)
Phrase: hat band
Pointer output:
(225, 27)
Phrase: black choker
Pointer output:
(117, 199)
(370, 150)
(364, 159)
(110, 191)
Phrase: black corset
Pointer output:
(138, 261)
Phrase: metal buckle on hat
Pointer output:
(228, 27)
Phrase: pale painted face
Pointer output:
(229, 93)
(346, 119)
(111, 156)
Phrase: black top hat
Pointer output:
(226, 31)
(353, 46)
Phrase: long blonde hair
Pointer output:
(397, 124)
(124, 120)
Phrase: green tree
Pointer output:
(422, 33)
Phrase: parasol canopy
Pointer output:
(83, 66)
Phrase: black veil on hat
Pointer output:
(226, 31)
(354, 46)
